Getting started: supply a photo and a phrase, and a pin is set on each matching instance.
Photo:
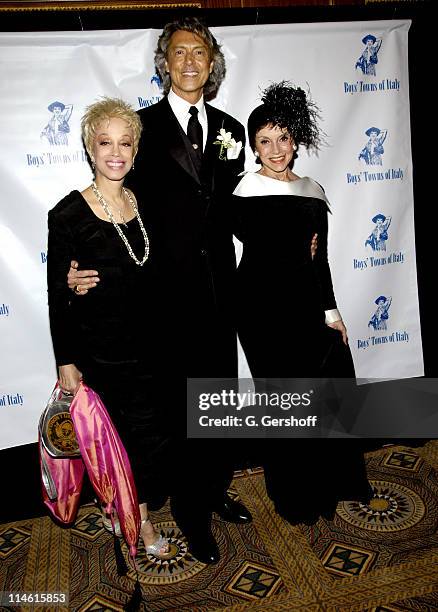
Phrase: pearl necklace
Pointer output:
(110, 216)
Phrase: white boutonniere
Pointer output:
(230, 149)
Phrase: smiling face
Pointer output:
(189, 64)
(113, 149)
(275, 147)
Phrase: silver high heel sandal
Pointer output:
(160, 542)
(108, 523)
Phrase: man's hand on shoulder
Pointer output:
(80, 281)
(314, 245)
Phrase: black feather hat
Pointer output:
(287, 107)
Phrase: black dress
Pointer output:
(108, 333)
(282, 298)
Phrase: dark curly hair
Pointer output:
(196, 26)
(287, 107)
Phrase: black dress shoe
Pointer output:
(232, 511)
(204, 548)
(194, 520)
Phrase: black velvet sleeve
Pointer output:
(235, 204)
(60, 251)
(235, 168)
(320, 260)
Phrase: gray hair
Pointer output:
(194, 25)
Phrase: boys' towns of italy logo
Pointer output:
(370, 159)
(369, 57)
(373, 150)
(365, 68)
(155, 78)
(380, 317)
(378, 237)
(153, 94)
(375, 246)
(57, 129)
(55, 134)
(378, 325)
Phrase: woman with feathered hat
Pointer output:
(288, 321)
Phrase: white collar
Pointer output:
(181, 107)
(255, 184)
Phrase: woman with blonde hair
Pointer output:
(103, 337)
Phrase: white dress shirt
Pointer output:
(180, 109)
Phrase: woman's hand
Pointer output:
(339, 325)
(314, 245)
(80, 281)
(69, 378)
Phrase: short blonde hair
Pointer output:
(106, 109)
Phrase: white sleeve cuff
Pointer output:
(331, 316)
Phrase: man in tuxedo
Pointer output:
(185, 181)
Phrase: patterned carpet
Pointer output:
(381, 557)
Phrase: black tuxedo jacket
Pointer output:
(190, 225)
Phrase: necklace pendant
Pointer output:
(110, 216)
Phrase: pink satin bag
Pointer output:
(62, 483)
(106, 461)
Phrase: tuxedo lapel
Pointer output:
(177, 145)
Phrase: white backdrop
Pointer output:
(40, 163)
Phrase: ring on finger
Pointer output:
(76, 289)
